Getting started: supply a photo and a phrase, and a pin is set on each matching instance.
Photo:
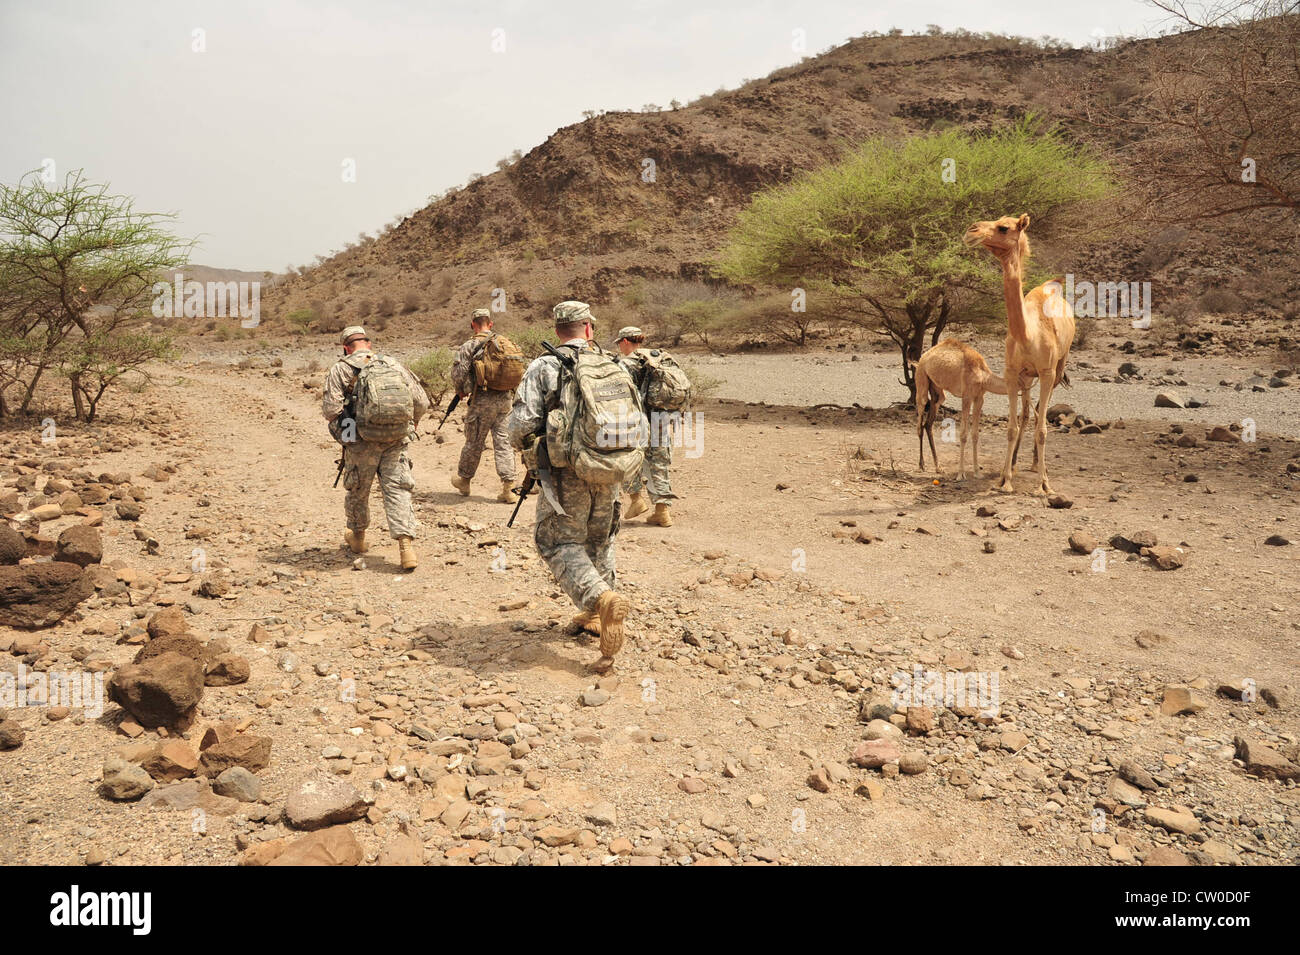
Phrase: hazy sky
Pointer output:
(246, 140)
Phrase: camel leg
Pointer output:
(929, 433)
(965, 427)
(920, 439)
(1024, 425)
(977, 412)
(1045, 385)
(922, 402)
(1043, 404)
(1013, 431)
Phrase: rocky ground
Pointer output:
(313, 708)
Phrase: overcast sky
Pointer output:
(246, 140)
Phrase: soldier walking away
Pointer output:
(579, 422)
(487, 370)
(373, 405)
(665, 393)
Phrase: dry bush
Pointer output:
(446, 287)
(410, 303)
(686, 308)
(1212, 131)
(1220, 301)
(1084, 326)
(330, 324)
(385, 307)
(884, 104)
(1162, 249)
(1181, 312)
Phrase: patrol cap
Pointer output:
(570, 313)
(481, 313)
(352, 333)
(629, 331)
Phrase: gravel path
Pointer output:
(873, 381)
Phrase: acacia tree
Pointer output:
(881, 231)
(77, 266)
(94, 363)
(1214, 128)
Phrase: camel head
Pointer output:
(1002, 236)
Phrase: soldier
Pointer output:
(488, 408)
(659, 455)
(364, 459)
(576, 539)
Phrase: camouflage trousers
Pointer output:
(362, 463)
(579, 546)
(658, 462)
(487, 416)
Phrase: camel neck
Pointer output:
(1013, 291)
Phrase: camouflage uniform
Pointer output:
(487, 415)
(654, 473)
(363, 461)
(579, 548)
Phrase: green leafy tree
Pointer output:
(433, 371)
(77, 268)
(881, 231)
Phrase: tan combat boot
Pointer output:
(507, 495)
(406, 549)
(661, 516)
(587, 620)
(461, 484)
(355, 540)
(637, 504)
(612, 608)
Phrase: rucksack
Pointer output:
(501, 366)
(665, 386)
(382, 403)
(599, 428)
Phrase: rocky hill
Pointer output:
(624, 197)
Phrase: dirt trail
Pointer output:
(707, 689)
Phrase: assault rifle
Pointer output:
(450, 408)
(525, 489)
(344, 415)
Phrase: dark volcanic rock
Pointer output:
(12, 546)
(163, 691)
(79, 545)
(40, 595)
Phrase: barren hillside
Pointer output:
(576, 216)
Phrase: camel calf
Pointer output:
(957, 368)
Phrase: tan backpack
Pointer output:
(500, 366)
